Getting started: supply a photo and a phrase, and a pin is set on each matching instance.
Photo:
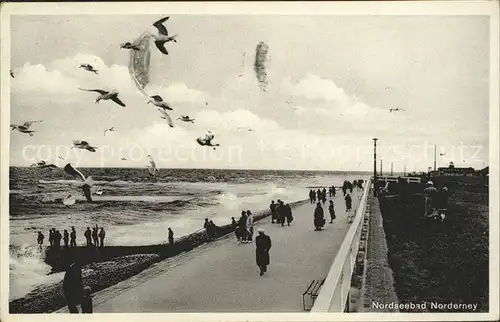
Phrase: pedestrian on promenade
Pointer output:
(242, 226)
(88, 236)
(73, 287)
(282, 211)
(289, 216)
(273, 206)
(323, 195)
(262, 247)
(66, 238)
(311, 197)
(102, 234)
(39, 239)
(319, 218)
(170, 236)
(72, 237)
(87, 300)
(95, 234)
(348, 202)
(333, 191)
(249, 226)
(331, 209)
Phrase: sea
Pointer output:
(137, 209)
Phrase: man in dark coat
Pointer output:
(72, 236)
(289, 216)
(242, 226)
(73, 287)
(170, 236)
(348, 202)
(95, 234)
(273, 206)
(88, 236)
(331, 209)
(282, 212)
(319, 218)
(66, 238)
(263, 245)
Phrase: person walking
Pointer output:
(170, 236)
(319, 218)
(72, 237)
(273, 206)
(73, 287)
(331, 209)
(289, 216)
(249, 226)
(348, 202)
(262, 247)
(102, 234)
(39, 239)
(242, 226)
(66, 238)
(88, 236)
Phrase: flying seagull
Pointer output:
(207, 140)
(152, 166)
(111, 129)
(105, 95)
(123, 159)
(395, 109)
(84, 145)
(69, 200)
(128, 45)
(88, 68)
(86, 183)
(158, 101)
(12, 74)
(442, 154)
(162, 37)
(25, 128)
(185, 118)
(43, 165)
(245, 128)
(165, 116)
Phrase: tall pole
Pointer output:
(392, 164)
(375, 185)
(434, 157)
(404, 173)
(381, 173)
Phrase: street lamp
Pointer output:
(375, 185)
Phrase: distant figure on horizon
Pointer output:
(331, 209)
(88, 236)
(102, 234)
(262, 247)
(95, 233)
(348, 202)
(249, 226)
(170, 236)
(87, 300)
(242, 226)
(66, 238)
(39, 239)
(273, 206)
(73, 287)
(289, 216)
(319, 218)
(72, 237)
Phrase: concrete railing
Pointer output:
(334, 292)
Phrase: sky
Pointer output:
(332, 82)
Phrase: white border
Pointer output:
(490, 8)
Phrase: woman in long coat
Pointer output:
(242, 226)
(319, 218)
(263, 245)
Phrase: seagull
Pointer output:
(243, 128)
(43, 165)
(395, 109)
(185, 118)
(158, 101)
(162, 37)
(442, 154)
(128, 45)
(88, 68)
(25, 128)
(111, 129)
(84, 145)
(86, 182)
(166, 117)
(105, 95)
(207, 140)
(123, 159)
(288, 102)
(152, 166)
(12, 74)
(99, 192)
(69, 200)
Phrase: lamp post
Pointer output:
(375, 185)
(381, 173)
(392, 165)
(434, 157)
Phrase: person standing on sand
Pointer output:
(66, 238)
(348, 202)
(39, 239)
(88, 236)
(72, 236)
(249, 226)
(331, 209)
(272, 206)
(95, 233)
(102, 234)
(170, 236)
(262, 247)
(73, 287)
(57, 239)
(319, 218)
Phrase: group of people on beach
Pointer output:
(69, 239)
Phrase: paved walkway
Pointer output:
(225, 278)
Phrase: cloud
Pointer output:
(316, 88)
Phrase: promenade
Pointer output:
(223, 276)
